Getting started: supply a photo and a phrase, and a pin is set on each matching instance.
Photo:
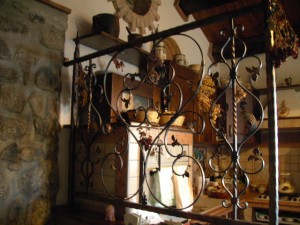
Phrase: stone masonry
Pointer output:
(32, 38)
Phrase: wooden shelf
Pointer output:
(135, 56)
(288, 131)
(264, 90)
(283, 129)
(286, 123)
(286, 137)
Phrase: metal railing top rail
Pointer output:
(167, 33)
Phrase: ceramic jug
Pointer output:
(180, 59)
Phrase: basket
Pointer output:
(153, 117)
(166, 116)
(139, 116)
(136, 116)
(220, 194)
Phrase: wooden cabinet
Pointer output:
(208, 137)
(145, 94)
(185, 78)
(188, 80)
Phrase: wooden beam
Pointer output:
(192, 6)
(56, 6)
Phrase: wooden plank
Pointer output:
(192, 6)
(264, 90)
(67, 215)
(56, 6)
(169, 211)
(135, 56)
(180, 11)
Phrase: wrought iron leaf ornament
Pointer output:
(126, 102)
(254, 72)
(175, 141)
(257, 153)
(119, 64)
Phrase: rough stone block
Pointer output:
(4, 50)
(12, 98)
(11, 128)
(8, 73)
(8, 24)
(47, 78)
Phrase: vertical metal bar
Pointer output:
(87, 166)
(234, 121)
(272, 121)
(72, 138)
(142, 165)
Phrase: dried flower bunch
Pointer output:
(216, 112)
(286, 42)
(240, 94)
(145, 138)
(81, 87)
(206, 91)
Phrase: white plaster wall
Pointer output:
(63, 159)
(290, 68)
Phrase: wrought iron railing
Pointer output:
(87, 123)
(91, 121)
(238, 93)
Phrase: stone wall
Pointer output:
(32, 38)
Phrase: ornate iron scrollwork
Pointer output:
(92, 125)
(250, 122)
